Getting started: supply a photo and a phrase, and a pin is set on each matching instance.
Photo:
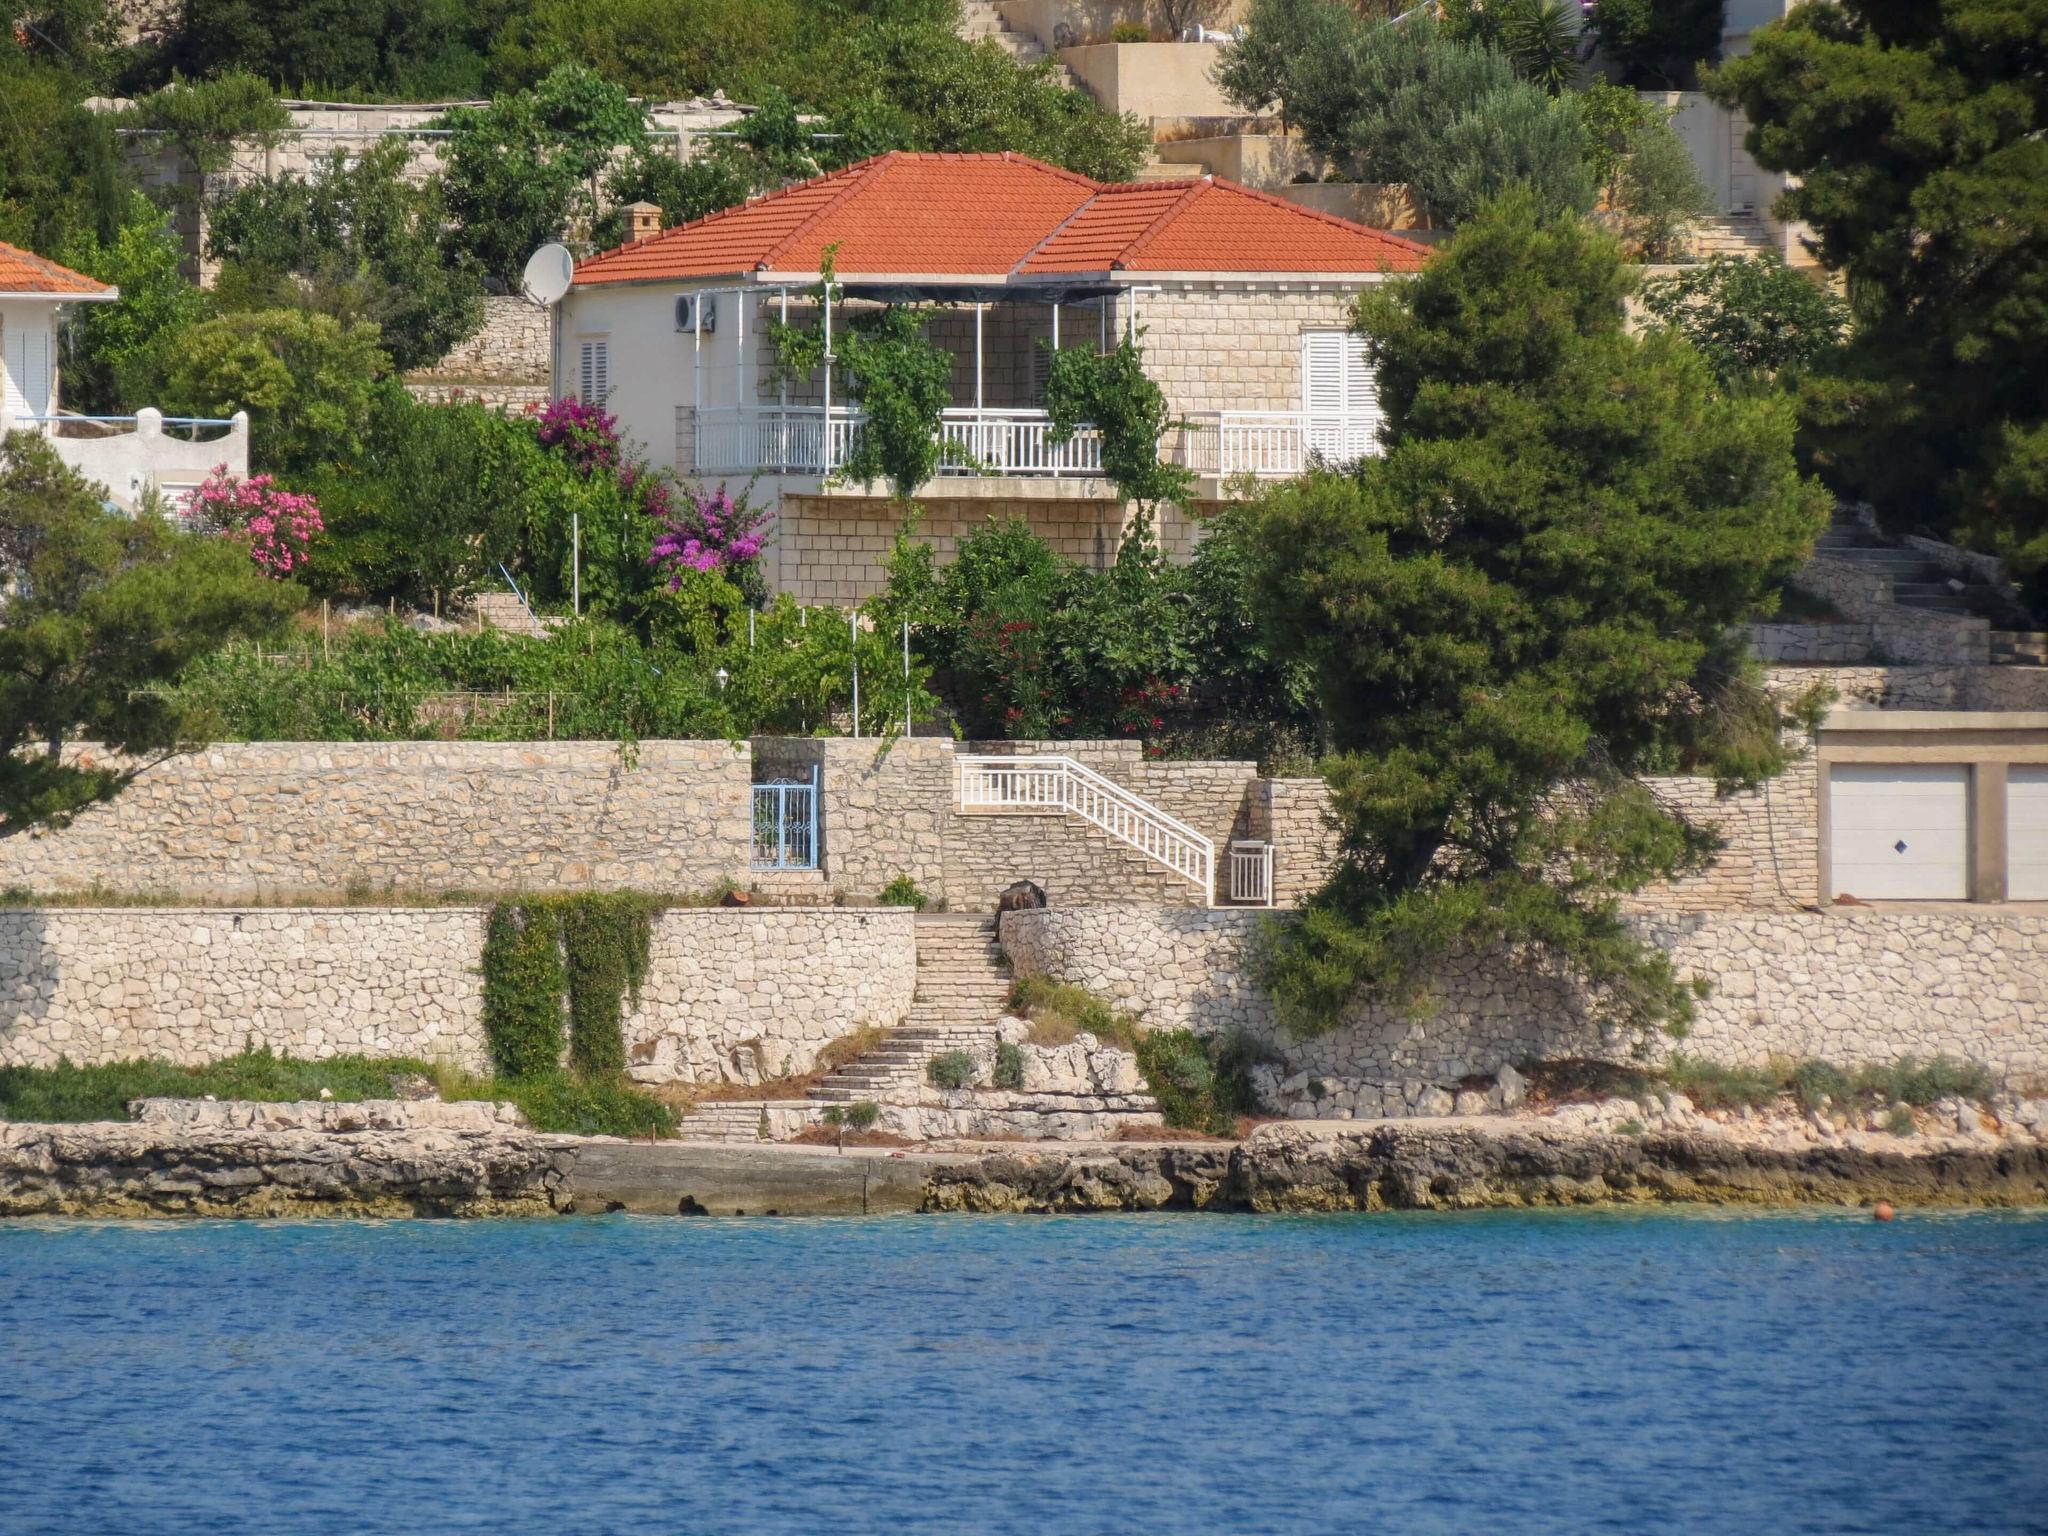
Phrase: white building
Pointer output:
(128, 455)
(1241, 302)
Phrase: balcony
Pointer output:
(132, 455)
(812, 440)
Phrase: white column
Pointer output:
(782, 399)
(980, 434)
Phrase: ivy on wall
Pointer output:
(577, 959)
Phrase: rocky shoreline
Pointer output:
(166, 1169)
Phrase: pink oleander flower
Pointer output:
(277, 525)
(708, 532)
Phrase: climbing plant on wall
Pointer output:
(580, 956)
(1111, 391)
(900, 379)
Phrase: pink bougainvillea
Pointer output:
(278, 525)
(708, 532)
(586, 435)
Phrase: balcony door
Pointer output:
(1340, 404)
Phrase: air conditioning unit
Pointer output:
(697, 310)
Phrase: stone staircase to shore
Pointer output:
(982, 19)
(1731, 234)
(735, 1120)
(963, 982)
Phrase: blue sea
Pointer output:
(1589, 1371)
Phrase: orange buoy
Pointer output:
(1883, 1211)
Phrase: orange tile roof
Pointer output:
(25, 272)
(996, 216)
(1213, 225)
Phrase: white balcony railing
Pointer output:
(793, 440)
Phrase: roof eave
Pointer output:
(105, 296)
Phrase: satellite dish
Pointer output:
(549, 272)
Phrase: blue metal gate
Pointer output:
(786, 824)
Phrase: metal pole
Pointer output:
(853, 645)
(576, 563)
(825, 452)
(750, 629)
(980, 433)
(906, 677)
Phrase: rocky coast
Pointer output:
(486, 1167)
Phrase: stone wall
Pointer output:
(192, 986)
(1916, 635)
(1921, 687)
(283, 820)
(1846, 985)
(731, 994)
(511, 347)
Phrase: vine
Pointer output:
(1112, 392)
(579, 957)
(901, 380)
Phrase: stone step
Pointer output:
(1933, 604)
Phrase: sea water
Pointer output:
(1590, 1371)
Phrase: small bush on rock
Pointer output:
(1202, 1082)
(902, 891)
(951, 1069)
(1008, 1072)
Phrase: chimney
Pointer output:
(642, 220)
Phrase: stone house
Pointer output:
(1240, 301)
(128, 455)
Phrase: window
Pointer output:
(1340, 403)
(25, 360)
(594, 370)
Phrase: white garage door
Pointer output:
(2026, 834)
(1900, 833)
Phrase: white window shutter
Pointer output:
(594, 372)
(1338, 396)
(37, 374)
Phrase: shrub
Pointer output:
(1130, 32)
(1899, 1121)
(1202, 1082)
(278, 525)
(72, 1093)
(1920, 1083)
(1008, 1071)
(1058, 1011)
(857, 1117)
(1752, 317)
(834, 1054)
(1713, 1086)
(523, 984)
(952, 1069)
(902, 891)
(1813, 1081)
(584, 1104)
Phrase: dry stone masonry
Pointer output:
(1851, 986)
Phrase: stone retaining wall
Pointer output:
(290, 819)
(731, 994)
(512, 345)
(1846, 985)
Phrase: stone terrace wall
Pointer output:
(731, 994)
(284, 819)
(1927, 687)
(1849, 986)
(513, 346)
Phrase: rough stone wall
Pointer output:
(1913, 635)
(734, 995)
(278, 820)
(514, 398)
(830, 549)
(192, 986)
(512, 347)
(1295, 817)
(731, 994)
(1921, 687)
(1846, 985)
(1811, 644)
(1771, 858)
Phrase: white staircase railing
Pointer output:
(1061, 784)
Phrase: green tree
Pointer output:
(1751, 318)
(1112, 392)
(1917, 135)
(1659, 43)
(653, 48)
(359, 240)
(1519, 611)
(431, 50)
(523, 170)
(306, 380)
(1410, 104)
(62, 176)
(103, 614)
(203, 119)
(108, 347)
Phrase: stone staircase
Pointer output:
(2019, 648)
(1732, 234)
(1913, 582)
(732, 1120)
(983, 20)
(963, 981)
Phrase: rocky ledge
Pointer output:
(164, 1169)
(160, 1169)
(1489, 1162)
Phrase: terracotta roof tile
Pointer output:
(1212, 225)
(992, 216)
(25, 272)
